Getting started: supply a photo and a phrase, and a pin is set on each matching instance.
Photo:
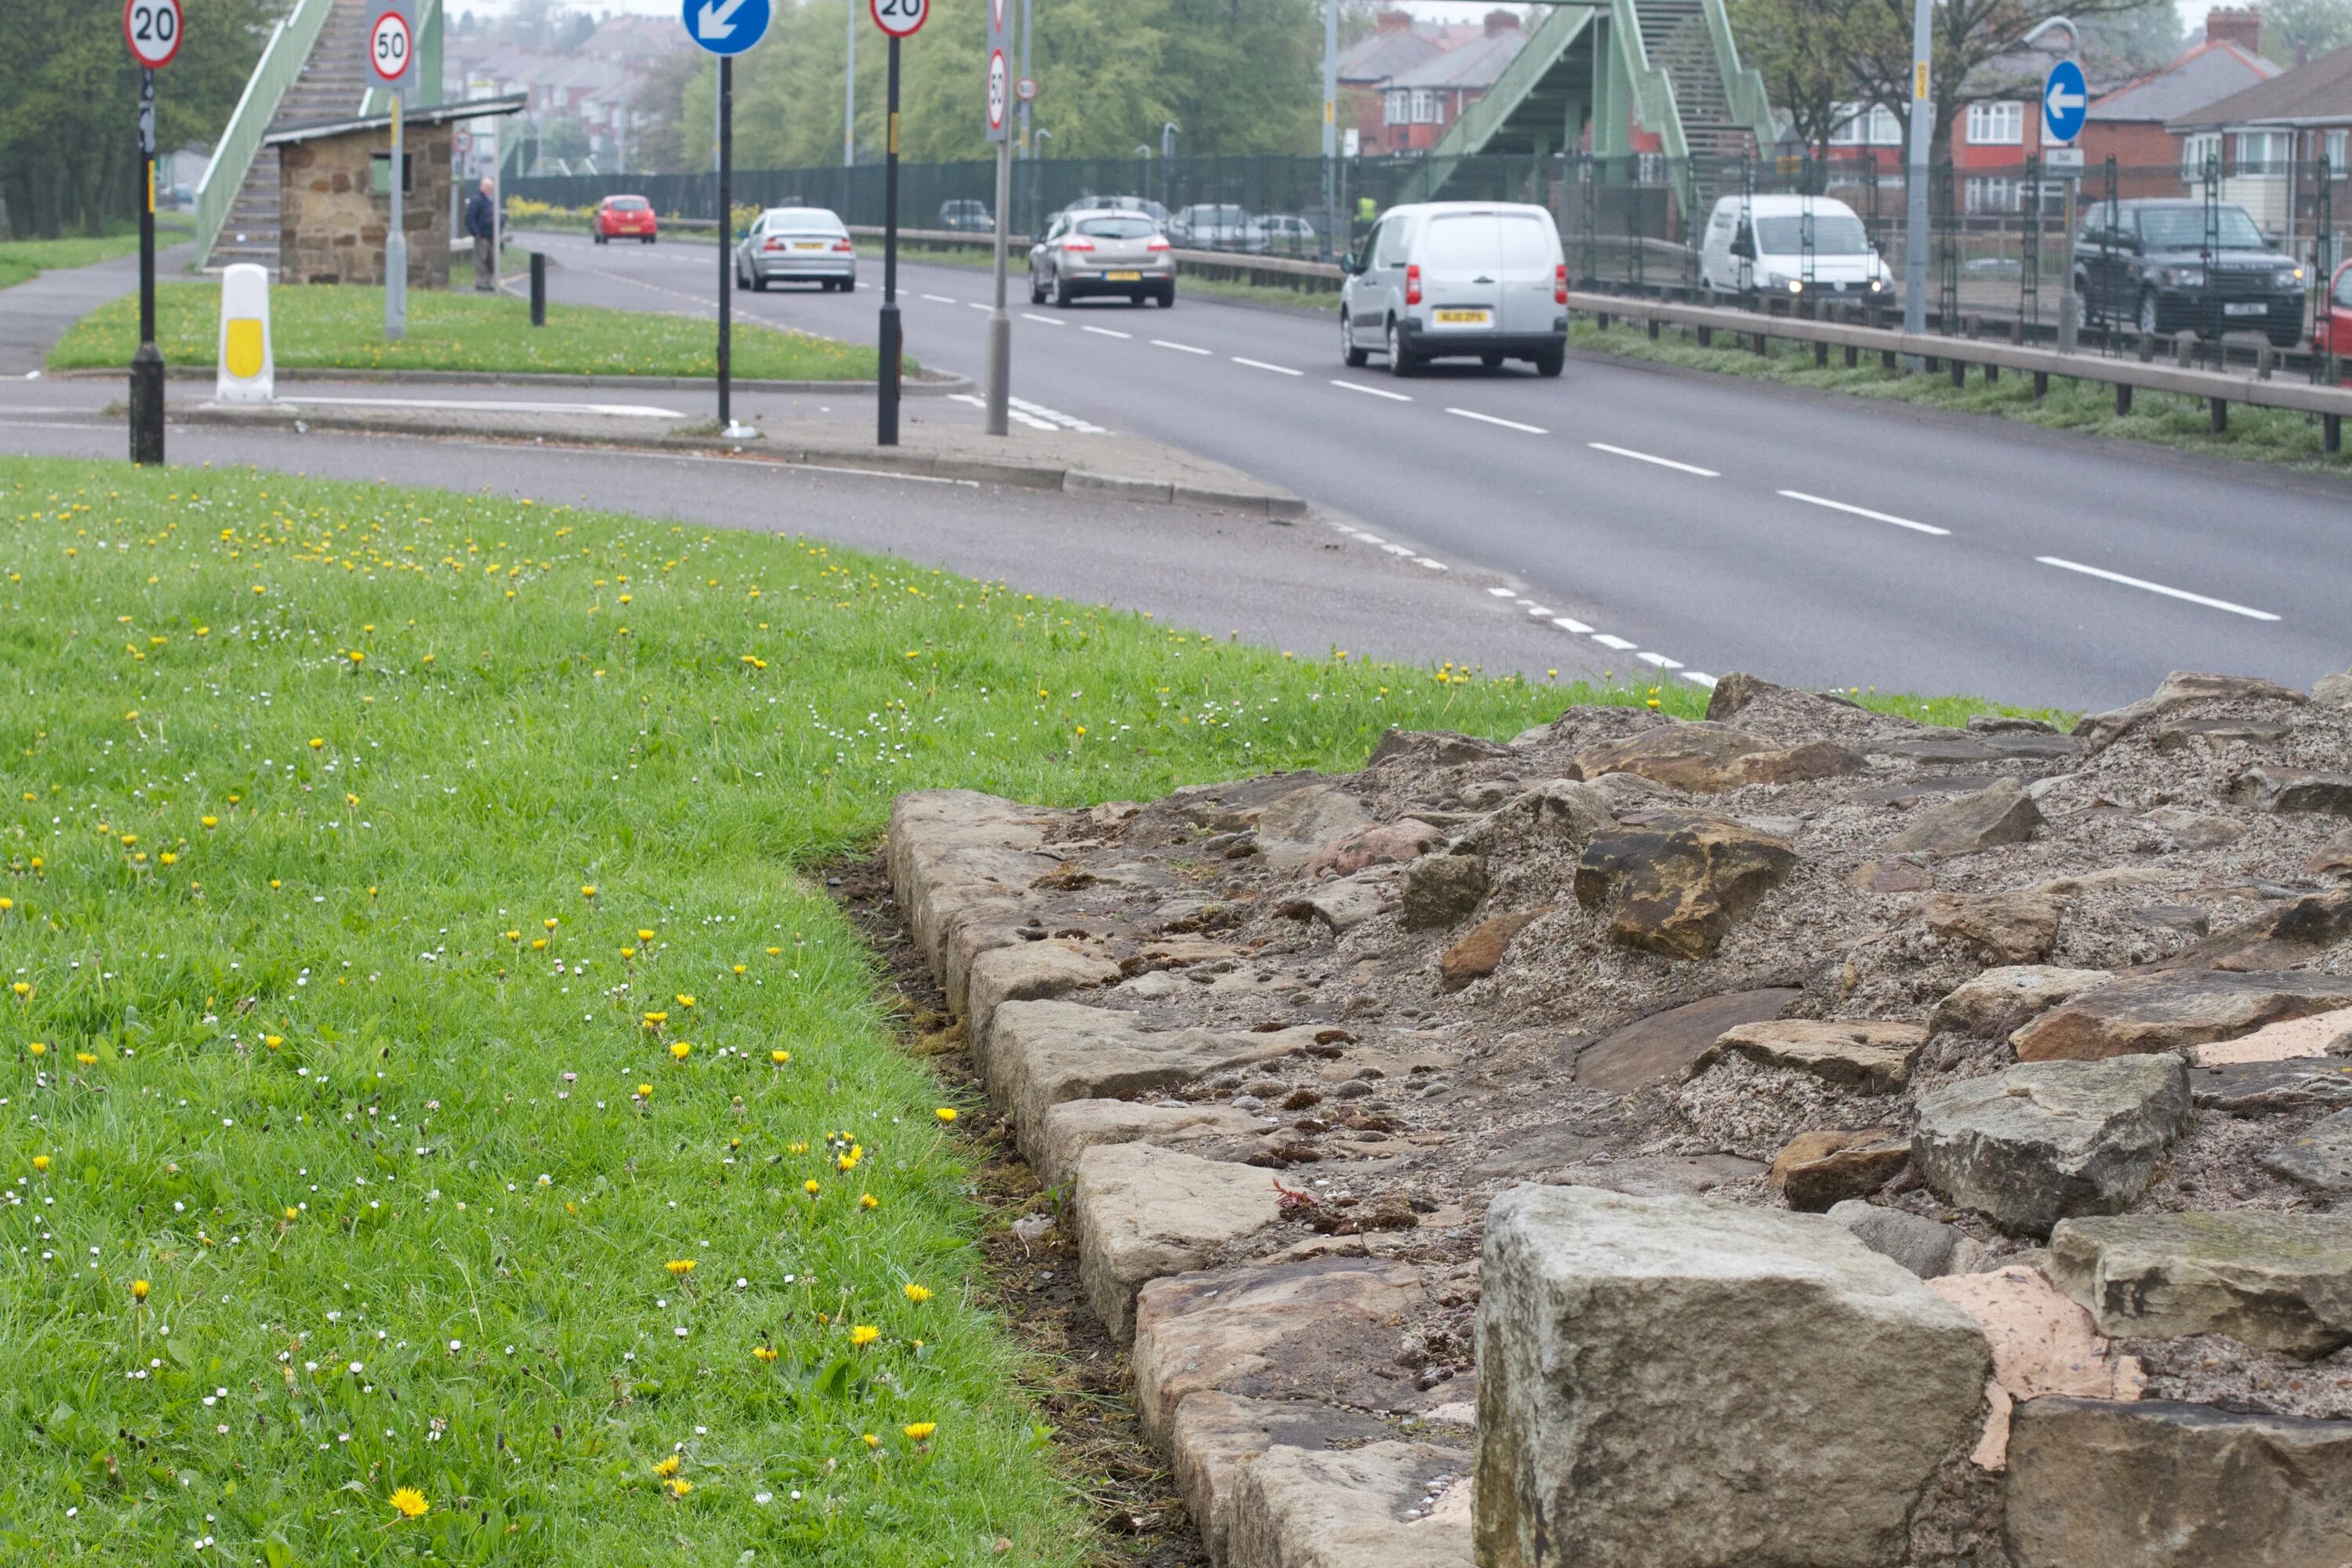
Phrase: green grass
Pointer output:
(2260, 435)
(21, 259)
(338, 328)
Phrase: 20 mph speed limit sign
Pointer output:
(152, 28)
(389, 47)
(900, 18)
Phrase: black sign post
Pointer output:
(901, 19)
(147, 364)
(726, 233)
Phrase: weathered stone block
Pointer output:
(2000, 812)
(1216, 1436)
(1927, 1247)
(2277, 1282)
(1863, 1056)
(1146, 1212)
(1677, 888)
(1440, 890)
(1814, 1171)
(2038, 1144)
(1348, 1510)
(2168, 1012)
(1074, 1126)
(1999, 1001)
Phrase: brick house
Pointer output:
(2268, 138)
(1406, 82)
(2132, 124)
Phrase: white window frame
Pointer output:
(1885, 127)
(1399, 107)
(2338, 144)
(1424, 106)
(2195, 148)
(1852, 126)
(2263, 151)
(1996, 122)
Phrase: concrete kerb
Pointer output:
(914, 386)
(591, 429)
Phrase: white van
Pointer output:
(1484, 281)
(1759, 243)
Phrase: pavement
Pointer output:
(35, 314)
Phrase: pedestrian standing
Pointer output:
(481, 222)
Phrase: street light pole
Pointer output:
(1330, 123)
(849, 103)
(1923, 124)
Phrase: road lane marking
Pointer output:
(1539, 612)
(2142, 582)
(624, 410)
(976, 305)
(1505, 424)
(1699, 678)
(942, 299)
(1180, 348)
(1865, 511)
(1661, 660)
(1107, 332)
(1261, 364)
(1620, 643)
(1033, 421)
(1567, 624)
(1646, 458)
(1372, 391)
(1501, 592)
(1425, 560)
(1042, 321)
(1398, 549)
(1068, 421)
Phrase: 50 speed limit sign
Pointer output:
(389, 46)
(900, 18)
(152, 28)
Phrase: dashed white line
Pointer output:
(1646, 458)
(1042, 321)
(1505, 424)
(1865, 511)
(1567, 623)
(1369, 538)
(1539, 612)
(1398, 549)
(942, 299)
(1107, 332)
(1699, 678)
(1620, 643)
(1425, 560)
(1068, 421)
(1661, 660)
(1372, 391)
(1180, 348)
(1501, 592)
(976, 305)
(2142, 582)
(1261, 364)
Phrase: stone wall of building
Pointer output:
(331, 222)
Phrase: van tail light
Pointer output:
(845, 247)
(1158, 243)
(1077, 245)
(1412, 284)
(1559, 284)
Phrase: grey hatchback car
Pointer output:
(1102, 251)
(796, 245)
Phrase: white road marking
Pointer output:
(1022, 415)
(1646, 458)
(969, 304)
(1068, 421)
(942, 299)
(1865, 511)
(1567, 625)
(1398, 549)
(1505, 424)
(1539, 612)
(1501, 592)
(1620, 643)
(1107, 332)
(1042, 321)
(1261, 364)
(1425, 560)
(1698, 678)
(2156, 588)
(1661, 660)
(1372, 391)
(1367, 538)
(625, 410)
(1180, 348)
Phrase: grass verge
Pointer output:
(322, 328)
(21, 259)
(2259, 435)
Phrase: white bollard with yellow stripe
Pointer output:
(247, 371)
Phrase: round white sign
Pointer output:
(901, 18)
(1000, 89)
(388, 47)
(152, 28)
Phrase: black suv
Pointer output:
(2152, 265)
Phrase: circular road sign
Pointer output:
(1027, 89)
(1000, 91)
(2065, 101)
(152, 28)
(388, 45)
(727, 26)
(900, 18)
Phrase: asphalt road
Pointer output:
(1694, 524)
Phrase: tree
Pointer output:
(2296, 30)
(1804, 49)
(2145, 38)
(69, 104)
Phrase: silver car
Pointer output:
(1102, 251)
(796, 245)
(1218, 226)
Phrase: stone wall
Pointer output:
(332, 223)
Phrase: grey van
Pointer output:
(1483, 281)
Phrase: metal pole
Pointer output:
(1026, 151)
(395, 242)
(1000, 323)
(147, 364)
(1330, 124)
(886, 400)
(1915, 194)
(726, 234)
(849, 103)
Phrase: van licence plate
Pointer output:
(2245, 308)
(1463, 318)
(1124, 277)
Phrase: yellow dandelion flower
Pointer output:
(871, 1441)
(21, 988)
(678, 1485)
(409, 1503)
(273, 1041)
(668, 1466)
(765, 1355)
(917, 1294)
(810, 1187)
(138, 1289)
(168, 858)
(514, 936)
(945, 1113)
(36, 1048)
(292, 1216)
(742, 968)
(775, 951)
(316, 742)
(539, 945)
(85, 1058)
(588, 890)
(920, 1431)
(628, 953)
(549, 922)
(684, 1000)
(209, 821)
(644, 1092)
(780, 1057)
(864, 1335)
(868, 1201)
(681, 1267)
(679, 1049)
(644, 935)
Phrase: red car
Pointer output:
(624, 218)
(2333, 331)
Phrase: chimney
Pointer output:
(1502, 22)
(2242, 26)
(1393, 22)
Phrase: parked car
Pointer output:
(1106, 251)
(1800, 246)
(1484, 281)
(2333, 334)
(1291, 234)
(796, 245)
(967, 217)
(1217, 226)
(2154, 265)
(624, 218)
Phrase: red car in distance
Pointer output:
(624, 217)
(2332, 333)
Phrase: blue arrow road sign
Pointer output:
(726, 26)
(2065, 101)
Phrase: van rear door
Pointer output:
(1460, 258)
(1530, 257)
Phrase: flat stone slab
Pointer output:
(1708, 758)
(2100, 1484)
(2018, 927)
(1074, 1126)
(1815, 1171)
(2295, 790)
(2000, 812)
(1863, 1056)
(1381, 1506)
(1218, 1436)
(1146, 1212)
(2097, 732)
(1316, 1329)
(1998, 1001)
(1659, 1176)
(2276, 1281)
(2318, 1035)
(1028, 971)
(2141, 1013)
(959, 859)
(1344, 904)
(1661, 1048)
(2040, 1142)
(2320, 1159)
(1672, 1383)
(2042, 1344)
(2267, 1088)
